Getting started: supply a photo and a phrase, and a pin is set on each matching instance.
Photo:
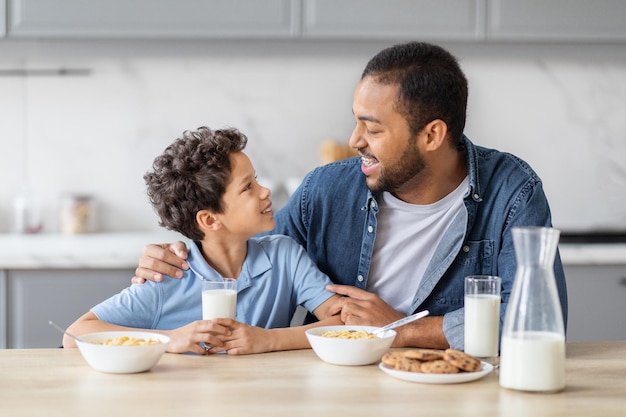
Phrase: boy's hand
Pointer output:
(158, 260)
(189, 337)
(243, 339)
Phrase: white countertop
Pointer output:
(593, 253)
(97, 250)
(122, 250)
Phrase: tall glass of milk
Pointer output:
(532, 355)
(482, 315)
(219, 298)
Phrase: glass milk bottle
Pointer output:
(532, 352)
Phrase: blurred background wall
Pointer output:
(561, 107)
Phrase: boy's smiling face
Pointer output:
(248, 208)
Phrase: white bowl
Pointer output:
(349, 351)
(121, 359)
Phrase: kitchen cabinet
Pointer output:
(152, 18)
(3, 18)
(60, 277)
(435, 20)
(395, 19)
(32, 297)
(597, 302)
(3, 309)
(557, 20)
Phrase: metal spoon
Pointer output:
(53, 324)
(401, 322)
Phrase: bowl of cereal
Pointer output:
(349, 345)
(122, 352)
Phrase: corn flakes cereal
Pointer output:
(128, 341)
(349, 334)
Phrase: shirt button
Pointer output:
(370, 229)
(465, 248)
(360, 278)
(476, 196)
(373, 204)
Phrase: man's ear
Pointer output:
(207, 221)
(435, 133)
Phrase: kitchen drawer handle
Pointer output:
(622, 281)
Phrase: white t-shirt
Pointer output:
(406, 239)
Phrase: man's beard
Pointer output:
(397, 174)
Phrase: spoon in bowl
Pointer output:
(401, 322)
(53, 324)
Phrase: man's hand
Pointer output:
(360, 307)
(158, 260)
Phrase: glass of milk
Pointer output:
(219, 298)
(482, 315)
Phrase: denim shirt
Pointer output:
(333, 215)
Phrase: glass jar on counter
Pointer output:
(78, 214)
(27, 216)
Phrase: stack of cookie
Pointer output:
(431, 361)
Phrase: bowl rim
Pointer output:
(316, 331)
(95, 336)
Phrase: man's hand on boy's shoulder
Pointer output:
(158, 260)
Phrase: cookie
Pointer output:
(424, 354)
(390, 359)
(408, 365)
(439, 366)
(462, 360)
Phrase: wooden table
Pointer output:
(58, 382)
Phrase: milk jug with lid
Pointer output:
(532, 352)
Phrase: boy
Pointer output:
(204, 187)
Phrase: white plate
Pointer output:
(438, 378)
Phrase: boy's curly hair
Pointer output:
(192, 175)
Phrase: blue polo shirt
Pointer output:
(277, 276)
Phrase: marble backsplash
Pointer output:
(561, 107)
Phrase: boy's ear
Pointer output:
(208, 221)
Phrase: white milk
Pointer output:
(218, 304)
(533, 362)
(482, 323)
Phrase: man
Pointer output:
(421, 208)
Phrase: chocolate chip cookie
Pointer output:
(462, 360)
